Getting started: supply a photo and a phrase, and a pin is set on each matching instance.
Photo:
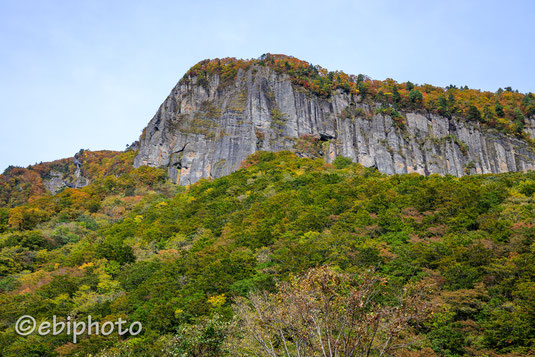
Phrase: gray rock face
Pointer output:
(55, 183)
(206, 128)
(59, 180)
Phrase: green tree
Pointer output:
(416, 97)
(498, 108)
(473, 113)
(341, 162)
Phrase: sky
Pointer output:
(91, 74)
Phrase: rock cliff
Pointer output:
(209, 124)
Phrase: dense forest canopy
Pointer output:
(199, 266)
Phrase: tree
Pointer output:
(474, 113)
(415, 96)
(519, 120)
(341, 162)
(396, 97)
(444, 106)
(361, 86)
(498, 108)
(115, 249)
(326, 313)
(204, 338)
(528, 103)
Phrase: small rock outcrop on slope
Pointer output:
(210, 123)
(19, 186)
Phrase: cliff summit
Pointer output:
(223, 110)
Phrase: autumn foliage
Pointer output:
(328, 313)
(21, 185)
(505, 110)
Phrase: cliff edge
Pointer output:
(224, 110)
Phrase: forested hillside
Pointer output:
(259, 261)
(19, 185)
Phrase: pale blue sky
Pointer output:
(90, 74)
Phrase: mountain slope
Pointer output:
(180, 260)
(402, 264)
(19, 185)
(224, 110)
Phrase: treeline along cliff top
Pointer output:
(504, 109)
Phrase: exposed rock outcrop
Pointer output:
(59, 180)
(207, 126)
